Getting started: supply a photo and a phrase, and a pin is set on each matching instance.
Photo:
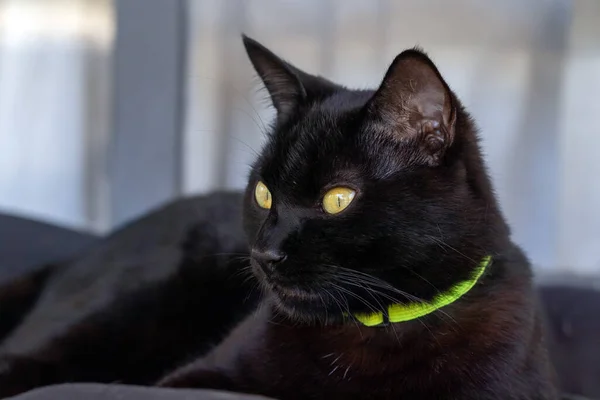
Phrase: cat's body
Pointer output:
(415, 215)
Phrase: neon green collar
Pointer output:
(408, 312)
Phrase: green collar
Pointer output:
(408, 312)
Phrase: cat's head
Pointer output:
(362, 198)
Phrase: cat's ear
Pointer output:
(415, 104)
(288, 86)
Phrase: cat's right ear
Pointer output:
(288, 86)
(414, 104)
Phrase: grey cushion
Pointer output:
(122, 392)
(573, 318)
(27, 247)
(26, 244)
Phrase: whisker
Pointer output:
(226, 254)
(348, 312)
(382, 284)
(369, 291)
(443, 243)
(230, 86)
(359, 298)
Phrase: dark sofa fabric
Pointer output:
(29, 251)
(122, 392)
(147, 298)
(26, 244)
(573, 324)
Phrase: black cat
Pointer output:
(387, 265)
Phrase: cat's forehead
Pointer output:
(325, 146)
(303, 157)
(317, 140)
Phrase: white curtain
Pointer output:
(54, 83)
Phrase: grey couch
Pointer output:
(122, 392)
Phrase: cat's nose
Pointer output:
(268, 258)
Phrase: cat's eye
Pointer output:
(337, 199)
(263, 195)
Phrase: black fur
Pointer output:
(423, 218)
(159, 291)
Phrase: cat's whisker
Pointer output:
(382, 307)
(336, 360)
(231, 86)
(247, 145)
(325, 307)
(346, 372)
(242, 255)
(386, 286)
(359, 298)
(348, 312)
(370, 291)
(249, 278)
(368, 276)
(260, 128)
(421, 277)
(245, 271)
(360, 284)
(332, 296)
(443, 243)
(377, 282)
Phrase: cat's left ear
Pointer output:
(415, 104)
(288, 86)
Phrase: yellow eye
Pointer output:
(337, 199)
(263, 195)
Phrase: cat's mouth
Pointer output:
(284, 287)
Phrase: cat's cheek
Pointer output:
(252, 221)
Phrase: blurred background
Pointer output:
(111, 108)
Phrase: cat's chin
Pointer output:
(285, 289)
(303, 306)
(292, 293)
